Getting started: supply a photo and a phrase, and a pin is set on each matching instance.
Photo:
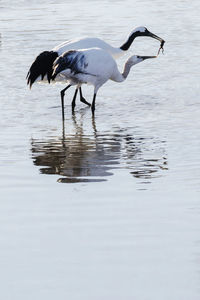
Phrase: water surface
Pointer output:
(104, 207)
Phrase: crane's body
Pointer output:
(41, 68)
(91, 66)
(88, 42)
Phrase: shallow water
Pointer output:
(104, 207)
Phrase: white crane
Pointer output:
(92, 66)
(42, 66)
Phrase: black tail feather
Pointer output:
(41, 66)
(58, 66)
(53, 76)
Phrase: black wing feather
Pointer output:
(73, 60)
(43, 65)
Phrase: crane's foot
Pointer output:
(63, 108)
(84, 101)
(93, 109)
(73, 107)
(93, 104)
(74, 100)
(62, 94)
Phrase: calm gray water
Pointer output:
(103, 208)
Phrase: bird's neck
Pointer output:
(127, 68)
(120, 77)
(129, 41)
(117, 53)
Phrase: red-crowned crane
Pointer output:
(92, 66)
(41, 68)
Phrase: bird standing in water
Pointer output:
(42, 67)
(92, 66)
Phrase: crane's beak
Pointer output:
(146, 57)
(150, 34)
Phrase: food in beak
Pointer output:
(161, 47)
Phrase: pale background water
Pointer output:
(106, 208)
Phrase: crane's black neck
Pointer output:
(131, 38)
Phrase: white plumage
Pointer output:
(116, 52)
(42, 67)
(86, 43)
(92, 66)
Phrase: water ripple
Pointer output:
(83, 157)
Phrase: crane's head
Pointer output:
(135, 59)
(140, 31)
(143, 31)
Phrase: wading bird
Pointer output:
(92, 66)
(41, 68)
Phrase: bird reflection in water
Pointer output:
(77, 157)
(93, 157)
(143, 161)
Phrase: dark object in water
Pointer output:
(161, 47)
(42, 66)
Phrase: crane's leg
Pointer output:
(93, 103)
(62, 94)
(82, 98)
(74, 100)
